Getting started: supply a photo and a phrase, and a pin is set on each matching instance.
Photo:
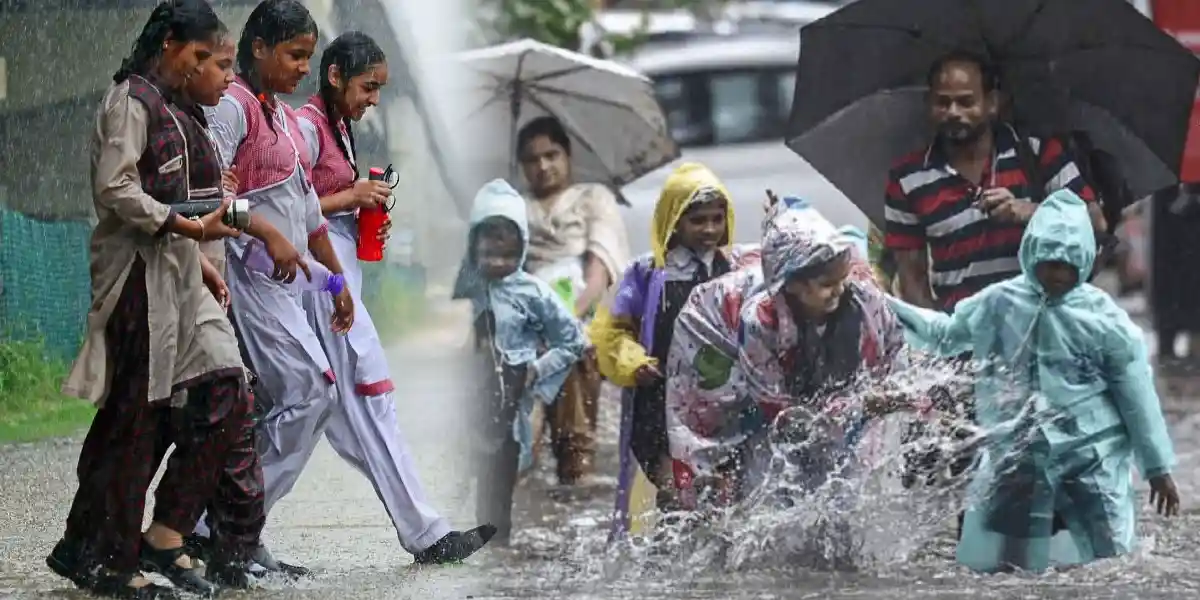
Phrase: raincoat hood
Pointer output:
(499, 199)
(495, 199)
(796, 235)
(681, 187)
(1060, 230)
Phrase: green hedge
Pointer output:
(45, 285)
(31, 406)
(395, 297)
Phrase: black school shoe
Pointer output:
(230, 574)
(163, 562)
(456, 546)
(198, 547)
(110, 584)
(263, 558)
(70, 559)
(243, 574)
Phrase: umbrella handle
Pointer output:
(514, 107)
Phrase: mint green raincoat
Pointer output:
(1068, 398)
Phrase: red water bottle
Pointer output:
(370, 221)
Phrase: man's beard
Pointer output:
(961, 134)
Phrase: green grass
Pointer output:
(31, 406)
(397, 304)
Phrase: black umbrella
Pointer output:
(1067, 65)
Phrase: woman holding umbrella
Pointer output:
(578, 127)
(577, 244)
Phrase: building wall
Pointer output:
(58, 56)
(56, 59)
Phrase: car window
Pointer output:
(737, 114)
(732, 106)
(684, 108)
(787, 89)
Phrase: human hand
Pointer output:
(287, 259)
(531, 376)
(385, 231)
(369, 194)
(772, 200)
(1164, 496)
(647, 375)
(1000, 204)
(213, 228)
(343, 312)
(214, 282)
(881, 404)
(229, 182)
(583, 305)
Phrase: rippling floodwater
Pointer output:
(545, 554)
(334, 523)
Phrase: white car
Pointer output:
(727, 101)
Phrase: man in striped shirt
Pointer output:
(956, 210)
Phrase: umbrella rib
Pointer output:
(578, 96)
(504, 84)
(1027, 26)
(501, 93)
(625, 108)
(1125, 46)
(560, 73)
(912, 31)
(542, 77)
(497, 94)
(515, 91)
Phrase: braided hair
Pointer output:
(178, 20)
(273, 22)
(353, 53)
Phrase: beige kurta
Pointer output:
(215, 251)
(584, 218)
(190, 335)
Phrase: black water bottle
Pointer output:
(236, 216)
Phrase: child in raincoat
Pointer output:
(705, 398)
(513, 314)
(815, 332)
(1067, 399)
(691, 233)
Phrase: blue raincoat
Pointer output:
(1067, 395)
(529, 315)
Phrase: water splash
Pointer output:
(902, 540)
(812, 503)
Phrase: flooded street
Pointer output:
(334, 523)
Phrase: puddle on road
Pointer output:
(558, 549)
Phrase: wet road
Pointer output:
(334, 523)
(331, 522)
(561, 544)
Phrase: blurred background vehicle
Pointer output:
(727, 99)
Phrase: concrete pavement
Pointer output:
(332, 521)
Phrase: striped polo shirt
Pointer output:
(930, 203)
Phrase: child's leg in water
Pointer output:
(497, 482)
(500, 481)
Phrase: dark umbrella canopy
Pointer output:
(1067, 65)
